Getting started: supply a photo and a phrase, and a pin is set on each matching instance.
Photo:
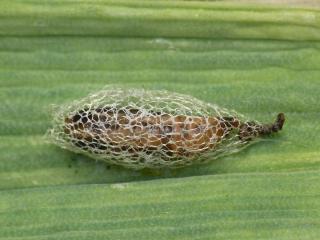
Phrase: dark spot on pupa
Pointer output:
(156, 113)
(167, 129)
(165, 140)
(148, 152)
(80, 144)
(236, 123)
(95, 117)
(83, 111)
(121, 112)
(81, 126)
(169, 153)
(219, 132)
(84, 119)
(124, 148)
(102, 117)
(134, 111)
(123, 120)
(94, 145)
(96, 128)
(76, 118)
(105, 109)
(103, 147)
(136, 128)
(88, 138)
(66, 130)
(131, 150)
(68, 120)
(116, 149)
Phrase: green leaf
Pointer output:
(256, 59)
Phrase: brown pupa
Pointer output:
(153, 129)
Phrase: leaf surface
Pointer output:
(256, 59)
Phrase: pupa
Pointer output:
(153, 128)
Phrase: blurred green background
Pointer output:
(258, 59)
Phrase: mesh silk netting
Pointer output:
(147, 129)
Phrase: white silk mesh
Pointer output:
(146, 128)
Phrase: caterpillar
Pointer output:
(153, 129)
